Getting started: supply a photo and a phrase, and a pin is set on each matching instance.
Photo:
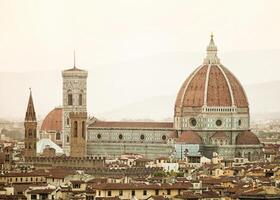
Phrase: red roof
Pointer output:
(220, 134)
(139, 186)
(247, 138)
(189, 137)
(53, 121)
(216, 82)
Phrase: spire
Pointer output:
(30, 112)
(74, 59)
(211, 57)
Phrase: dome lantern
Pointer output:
(211, 57)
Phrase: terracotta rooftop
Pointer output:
(189, 137)
(263, 191)
(139, 186)
(53, 121)
(211, 84)
(220, 135)
(247, 138)
(217, 83)
(122, 124)
(41, 191)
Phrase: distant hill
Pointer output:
(144, 88)
(263, 98)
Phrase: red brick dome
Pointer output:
(53, 121)
(212, 85)
(189, 137)
(247, 138)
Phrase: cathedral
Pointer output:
(211, 112)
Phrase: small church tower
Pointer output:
(30, 125)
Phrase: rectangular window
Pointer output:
(144, 192)
(109, 193)
(70, 100)
(133, 192)
(156, 192)
(43, 196)
(80, 99)
(83, 129)
(120, 192)
(168, 192)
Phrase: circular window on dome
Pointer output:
(219, 122)
(193, 121)
(163, 137)
(239, 122)
(99, 136)
(142, 137)
(120, 136)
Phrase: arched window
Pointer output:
(70, 99)
(30, 132)
(84, 129)
(75, 129)
(57, 136)
(80, 99)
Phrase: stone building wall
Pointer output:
(151, 143)
(66, 162)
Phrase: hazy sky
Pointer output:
(37, 35)
(40, 35)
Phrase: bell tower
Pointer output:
(30, 125)
(74, 101)
(78, 134)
